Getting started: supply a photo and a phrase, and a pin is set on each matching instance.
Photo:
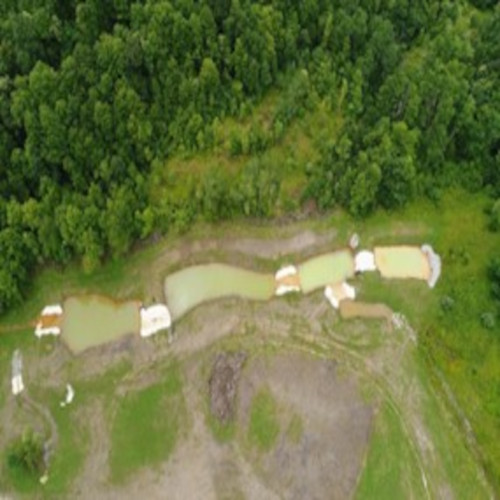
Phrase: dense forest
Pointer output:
(96, 95)
(93, 93)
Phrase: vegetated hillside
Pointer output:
(97, 96)
(96, 93)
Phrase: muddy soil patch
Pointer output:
(326, 459)
(223, 383)
(351, 309)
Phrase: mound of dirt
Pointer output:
(223, 384)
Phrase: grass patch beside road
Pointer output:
(264, 427)
(69, 456)
(391, 470)
(295, 429)
(223, 432)
(147, 426)
(448, 318)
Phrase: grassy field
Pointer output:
(68, 460)
(295, 429)
(452, 341)
(390, 470)
(71, 452)
(147, 425)
(263, 427)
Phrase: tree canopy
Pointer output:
(94, 94)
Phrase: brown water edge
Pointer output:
(49, 320)
(351, 309)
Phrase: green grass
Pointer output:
(455, 341)
(295, 429)
(67, 458)
(459, 468)
(264, 427)
(298, 146)
(223, 432)
(147, 426)
(22, 478)
(70, 454)
(391, 470)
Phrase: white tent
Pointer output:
(52, 310)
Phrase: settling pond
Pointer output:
(94, 320)
(191, 286)
(194, 285)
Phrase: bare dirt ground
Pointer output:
(283, 338)
(326, 460)
(223, 384)
(271, 249)
(324, 463)
(350, 309)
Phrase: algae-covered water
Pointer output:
(326, 269)
(93, 320)
(191, 286)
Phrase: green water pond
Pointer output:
(194, 285)
(93, 320)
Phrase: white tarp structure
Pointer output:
(45, 325)
(51, 330)
(70, 394)
(365, 261)
(287, 280)
(341, 291)
(434, 264)
(17, 377)
(54, 310)
(154, 319)
(17, 385)
(285, 272)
